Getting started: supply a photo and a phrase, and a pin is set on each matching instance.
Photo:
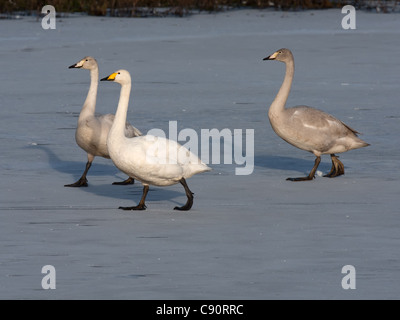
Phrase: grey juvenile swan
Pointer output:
(92, 130)
(307, 128)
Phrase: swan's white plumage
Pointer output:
(150, 159)
(154, 160)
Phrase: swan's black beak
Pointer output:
(111, 77)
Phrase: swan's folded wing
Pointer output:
(130, 131)
(165, 151)
(172, 156)
(310, 119)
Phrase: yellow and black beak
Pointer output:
(272, 56)
(111, 77)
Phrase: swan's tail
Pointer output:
(358, 143)
(195, 168)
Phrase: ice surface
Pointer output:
(247, 237)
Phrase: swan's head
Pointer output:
(86, 63)
(120, 76)
(281, 55)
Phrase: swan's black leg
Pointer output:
(82, 182)
(312, 172)
(141, 205)
(189, 195)
(125, 182)
(337, 167)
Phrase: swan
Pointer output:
(149, 159)
(92, 130)
(307, 128)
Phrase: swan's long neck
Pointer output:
(278, 105)
(118, 128)
(89, 106)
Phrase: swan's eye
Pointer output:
(119, 72)
(87, 60)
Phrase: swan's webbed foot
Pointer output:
(311, 176)
(125, 182)
(141, 205)
(189, 203)
(337, 167)
(82, 182)
(138, 207)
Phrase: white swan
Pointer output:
(149, 159)
(308, 128)
(92, 130)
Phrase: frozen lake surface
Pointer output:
(254, 236)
